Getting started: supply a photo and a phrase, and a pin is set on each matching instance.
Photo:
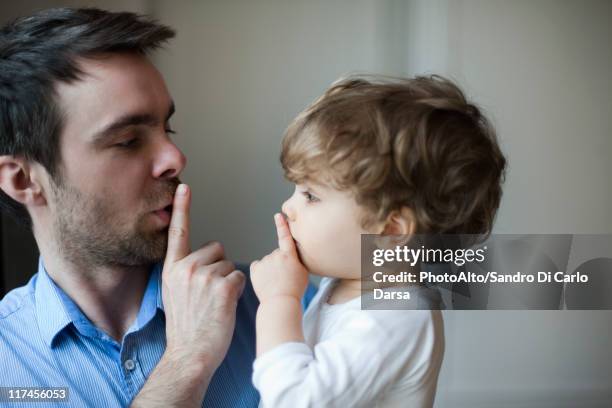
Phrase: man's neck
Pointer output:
(110, 296)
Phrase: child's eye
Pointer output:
(309, 197)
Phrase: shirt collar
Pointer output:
(51, 312)
(151, 301)
(55, 310)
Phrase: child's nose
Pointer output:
(287, 209)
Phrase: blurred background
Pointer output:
(239, 71)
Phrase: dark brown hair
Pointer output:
(396, 143)
(41, 50)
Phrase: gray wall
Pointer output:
(541, 70)
(240, 71)
(246, 69)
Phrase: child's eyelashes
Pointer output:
(309, 197)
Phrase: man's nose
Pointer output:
(169, 160)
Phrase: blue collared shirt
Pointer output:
(46, 341)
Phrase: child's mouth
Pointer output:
(298, 250)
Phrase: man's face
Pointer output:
(119, 168)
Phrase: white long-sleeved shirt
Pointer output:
(355, 358)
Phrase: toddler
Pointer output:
(392, 157)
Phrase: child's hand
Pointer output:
(280, 273)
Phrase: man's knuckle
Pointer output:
(176, 231)
(185, 266)
(216, 246)
(227, 266)
(224, 288)
(206, 277)
(227, 289)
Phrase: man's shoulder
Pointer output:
(248, 302)
(16, 301)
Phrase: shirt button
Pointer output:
(129, 365)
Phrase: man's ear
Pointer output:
(20, 180)
(398, 229)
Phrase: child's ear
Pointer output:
(21, 181)
(398, 229)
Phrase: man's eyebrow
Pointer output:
(135, 119)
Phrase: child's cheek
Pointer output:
(312, 257)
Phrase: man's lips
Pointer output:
(164, 214)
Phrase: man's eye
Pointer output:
(128, 143)
(309, 197)
(171, 131)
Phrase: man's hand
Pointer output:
(200, 291)
(280, 273)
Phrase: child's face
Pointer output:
(326, 226)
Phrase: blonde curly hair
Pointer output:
(396, 143)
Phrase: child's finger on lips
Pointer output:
(285, 240)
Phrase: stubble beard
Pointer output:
(89, 231)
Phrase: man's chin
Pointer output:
(148, 248)
(158, 247)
